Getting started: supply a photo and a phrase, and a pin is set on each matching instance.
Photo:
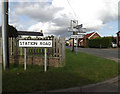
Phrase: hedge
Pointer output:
(104, 42)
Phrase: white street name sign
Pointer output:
(76, 36)
(35, 43)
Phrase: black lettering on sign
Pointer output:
(20, 43)
(33, 43)
(43, 43)
(49, 43)
(36, 43)
(25, 43)
(29, 43)
(46, 43)
(40, 43)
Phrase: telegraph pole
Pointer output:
(5, 45)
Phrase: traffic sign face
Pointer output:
(72, 29)
(83, 33)
(35, 43)
(76, 36)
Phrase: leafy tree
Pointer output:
(12, 31)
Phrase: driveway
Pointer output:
(111, 54)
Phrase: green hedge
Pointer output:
(104, 42)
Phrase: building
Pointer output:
(84, 41)
(29, 33)
(118, 38)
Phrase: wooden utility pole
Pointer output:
(5, 43)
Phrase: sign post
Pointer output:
(76, 37)
(45, 61)
(25, 58)
(76, 44)
(74, 27)
(35, 43)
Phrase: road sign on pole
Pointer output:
(75, 28)
(35, 43)
(76, 36)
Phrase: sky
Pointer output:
(54, 16)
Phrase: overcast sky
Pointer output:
(53, 16)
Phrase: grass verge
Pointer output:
(80, 69)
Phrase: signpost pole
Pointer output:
(25, 59)
(76, 45)
(45, 61)
(73, 44)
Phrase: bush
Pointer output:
(104, 42)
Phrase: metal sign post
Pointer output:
(76, 44)
(45, 61)
(35, 43)
(25, 58)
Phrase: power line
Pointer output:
(72, 8)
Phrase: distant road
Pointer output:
(112, 54)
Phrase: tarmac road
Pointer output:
(113, 53)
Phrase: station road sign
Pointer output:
(76, 36)
(35, 43)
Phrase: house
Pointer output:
(84, 41)
(29, 33)
(118, 38)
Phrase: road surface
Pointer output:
(113, 54)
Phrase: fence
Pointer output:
(56, 54)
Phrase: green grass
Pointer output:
(80, 69)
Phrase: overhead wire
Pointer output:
(72, 9)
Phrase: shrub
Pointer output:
(104, 42)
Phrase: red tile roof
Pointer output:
(88, 35)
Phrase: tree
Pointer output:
(12, 31)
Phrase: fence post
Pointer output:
(56, 47)
(53, 47)
(60, 50)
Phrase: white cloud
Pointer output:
(92, 13)
(42, 12)
(54, 18)
(30, 0)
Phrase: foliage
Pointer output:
(113, 39)
(12, 31)
(104, 42)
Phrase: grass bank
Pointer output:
(80, 69)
